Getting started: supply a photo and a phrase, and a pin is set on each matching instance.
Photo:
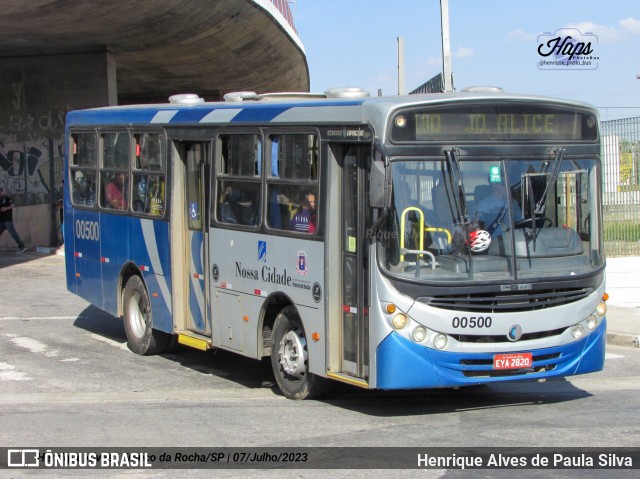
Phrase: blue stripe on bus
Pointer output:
(190, 116)
(260, 113)
(196, 286)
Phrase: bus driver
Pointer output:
(492, 210)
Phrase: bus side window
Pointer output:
(239, 202)
(292, 182)
(83, 187)
(115, 150)
(238, 179)
(83, 169)
(148, 193)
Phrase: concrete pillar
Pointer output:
(36, 92)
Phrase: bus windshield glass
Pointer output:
(478, 219)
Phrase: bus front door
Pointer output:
(355, 277)
(195, 155)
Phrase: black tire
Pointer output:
(138, 321)
(290, 361)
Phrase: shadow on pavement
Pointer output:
(256, 374)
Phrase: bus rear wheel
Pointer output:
(290, 358)
(138, 320)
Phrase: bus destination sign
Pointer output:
(493, 123)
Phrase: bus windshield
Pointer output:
(492, 219)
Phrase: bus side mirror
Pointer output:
(377, 184)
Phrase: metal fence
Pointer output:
(621, 186)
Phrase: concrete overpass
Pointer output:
(60, 55)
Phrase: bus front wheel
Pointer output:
(138, 322)
(290, 358)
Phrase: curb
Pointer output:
(623, 339)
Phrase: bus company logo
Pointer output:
(262, 251)
(567, 49)
(515, 332)
(301, 263)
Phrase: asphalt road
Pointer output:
(67, 378)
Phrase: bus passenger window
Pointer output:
(292, 182)
(150, 152)
(84, 150)
(148, 187)
(238, 179)
(83, 187)
(115, 150)
(304, 219)
(238, 203)
(115, 191)
(148, 194)
(83, 169)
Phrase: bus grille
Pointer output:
(467, 338)
(505, 302)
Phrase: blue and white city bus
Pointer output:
(347, 237)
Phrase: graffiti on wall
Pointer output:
(30, 140)
(24, 166)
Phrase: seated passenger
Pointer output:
(305, 218)
(114, 192)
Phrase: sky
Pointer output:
(493, 42)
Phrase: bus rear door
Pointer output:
(195, 157)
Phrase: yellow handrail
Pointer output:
(440, 230)
(402, 228)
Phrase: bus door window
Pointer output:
(292, 182)
(356, 217)
(238, 179)
(149, 174)
(83, 169)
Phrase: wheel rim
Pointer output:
(137, 319)
(293, 353)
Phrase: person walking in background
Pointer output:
(6, 220)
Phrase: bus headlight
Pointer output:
(602, 309)
(399, 321)
(439, 341)
(419, 333)
(577, 331)
(592, 322)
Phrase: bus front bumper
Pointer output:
(402, 364)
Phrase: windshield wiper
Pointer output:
(459, 200)
(539, 209)
(557, 162)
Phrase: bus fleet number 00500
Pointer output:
(87, 230)
(471, 322)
